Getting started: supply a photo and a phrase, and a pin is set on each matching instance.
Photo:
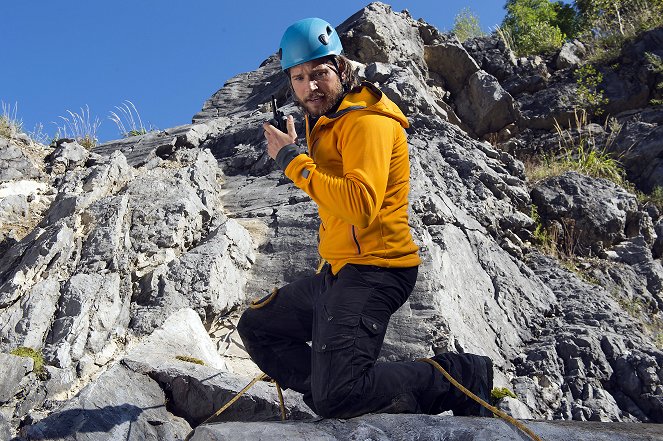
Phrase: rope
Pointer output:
(435, 364)
(493, 409)
(261, 302)
(281, 403)
(260, 377)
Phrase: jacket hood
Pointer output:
(369, 97)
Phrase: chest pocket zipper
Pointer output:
(354, 236)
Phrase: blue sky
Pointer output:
(166, 56)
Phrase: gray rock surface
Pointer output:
(570, 54)
(67, 156)
(423, 427)
(121, 404)
(15, 163)
(585, 212)
(12, 371)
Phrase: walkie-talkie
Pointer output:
(279, 121)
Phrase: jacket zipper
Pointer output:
(354, 236)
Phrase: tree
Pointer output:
(466, 25)
(535, 25)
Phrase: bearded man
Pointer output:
(357, 171)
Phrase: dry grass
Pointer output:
(80, 126)
(10, 125)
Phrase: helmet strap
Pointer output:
(338, 72)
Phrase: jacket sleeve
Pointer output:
(365, 143)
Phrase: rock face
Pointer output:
(420, 427)
(145, 244)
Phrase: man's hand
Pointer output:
(276, 139)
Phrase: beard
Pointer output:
(324, 103)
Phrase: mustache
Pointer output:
(315, 96)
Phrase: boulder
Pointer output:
(585, 210)
(570, 54)
(67, 156)
(484, 106)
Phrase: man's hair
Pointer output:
(343, 67)
(347, 72)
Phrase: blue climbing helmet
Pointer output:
(306, 40)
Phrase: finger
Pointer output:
(290, 124)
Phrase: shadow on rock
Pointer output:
(69, 422)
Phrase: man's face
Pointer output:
(317, 86)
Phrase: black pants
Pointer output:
(345, 318)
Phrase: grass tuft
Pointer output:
(10, 125)
(501, 392)
(79, 126)
(190, 359)
(580, 151)
(36, 356)
(128, 114)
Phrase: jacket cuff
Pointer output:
(286, 155)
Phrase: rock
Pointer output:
(569, 55)
(121, 404)
(90, 308)
(415, 427)
(545, 107)
(59, 381)
(5, 428)
(12, 371)
(377, 34)
(492, 55)
(589, 210)
(67, 156)
(132, 257)
(181, 334)
(451, 62)
(639, 146)
(209, 278)
(515, 408)
(15, 163)
(197, 392)
(484, 106)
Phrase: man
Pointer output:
(357, 172)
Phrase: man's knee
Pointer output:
(333, 398)
(332, 407)
(246, 325)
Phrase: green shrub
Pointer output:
(657, 66)
(466, 25)
(589, 96)
(546, 238)
(581, 152)
(655, 198)
(534, 26)
(608, 24)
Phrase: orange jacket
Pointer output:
(358, 173)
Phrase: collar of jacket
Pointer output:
(369, 97)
